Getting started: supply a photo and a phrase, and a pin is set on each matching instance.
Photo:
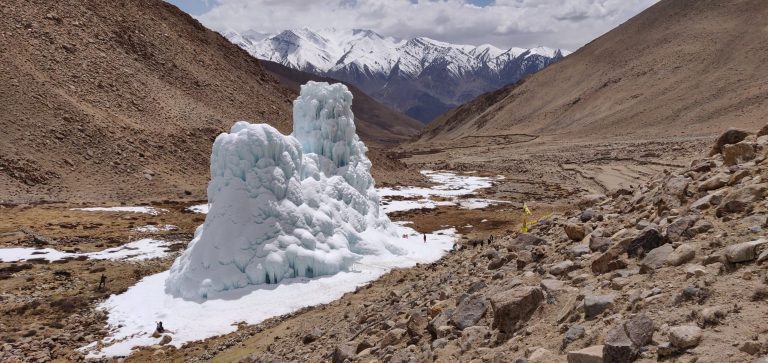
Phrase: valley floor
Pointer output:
(48, 309)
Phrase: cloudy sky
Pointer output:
(566, 24)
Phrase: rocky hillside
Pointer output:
(672, 270)
(678, 68)
(420, 77)
(120, 101)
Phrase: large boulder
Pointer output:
(730, 136)
(512, 308)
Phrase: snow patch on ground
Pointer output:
(132, 315)
(200, 208)
(147, 210)
(155, 228)
(142, 249)
(451, 189)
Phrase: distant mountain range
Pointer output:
(420, 77)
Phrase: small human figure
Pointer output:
(425, 238)
(160, 328)
(102, 282)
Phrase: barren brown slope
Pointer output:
(679, 68)
(119, 101)
(374, 121)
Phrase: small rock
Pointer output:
(647, 240)
(541, 355)
(595, 304)
(563, 267)
(600, 244)
(312, 336)
(590, 200)
(716, 182)
(392, 337)
(514, 307)
(575, 332)
(681, 255)
(344, 352)
(685, 336)
(656, 258)
(623, 342)
(741, 200)
(474, 337)
(665, 349)
(743, 252)
(593, 354)
(165, 339)
(523, 240)
(575, 232)
(677, 229)
(751, 347)
(469, 311)
(738, 153)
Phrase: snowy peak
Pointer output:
(330, 49)
(420, 77)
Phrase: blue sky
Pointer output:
(566, 24)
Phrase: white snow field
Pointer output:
(292, 221)
(142, 249)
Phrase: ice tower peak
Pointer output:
(285, 207)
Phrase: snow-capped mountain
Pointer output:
(421, 77)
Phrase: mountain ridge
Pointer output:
(420, 77)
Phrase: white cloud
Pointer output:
(566, 24)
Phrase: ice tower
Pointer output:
(285, 206)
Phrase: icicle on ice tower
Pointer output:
(286, 206)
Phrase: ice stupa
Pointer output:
(286, 206)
